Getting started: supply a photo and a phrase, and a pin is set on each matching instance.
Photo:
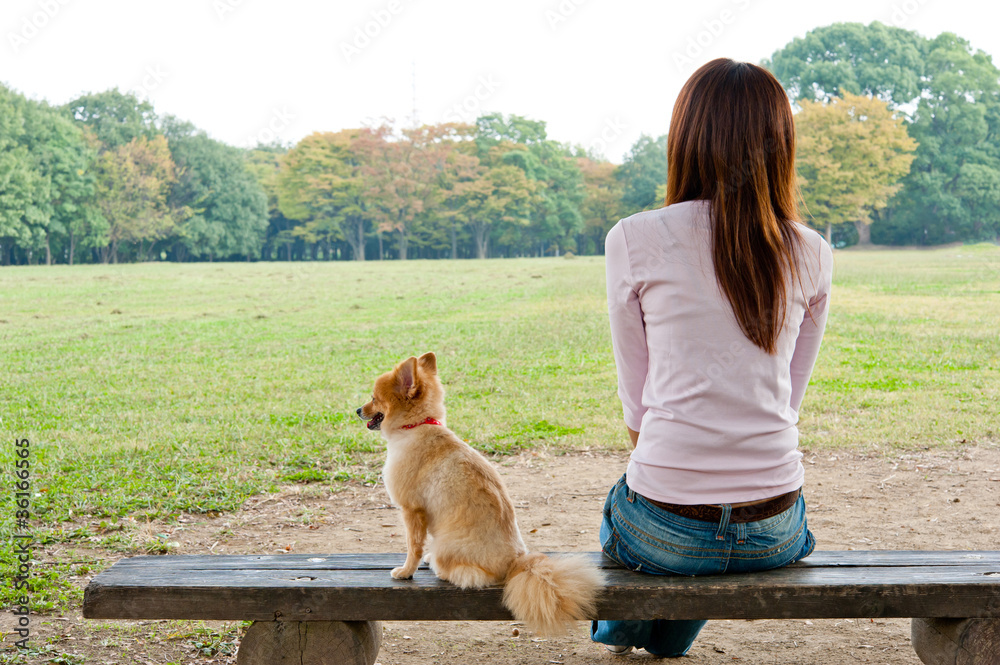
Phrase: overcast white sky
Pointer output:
(598, 72)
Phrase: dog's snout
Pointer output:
(359, 412)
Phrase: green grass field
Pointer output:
(148, 390)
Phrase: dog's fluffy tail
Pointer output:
(549, 593)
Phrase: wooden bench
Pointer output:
(313, 609)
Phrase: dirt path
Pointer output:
(917, 500)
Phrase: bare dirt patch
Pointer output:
(913, 500)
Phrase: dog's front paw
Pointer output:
(401, 573)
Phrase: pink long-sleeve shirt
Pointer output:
(716, 415)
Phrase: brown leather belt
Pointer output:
(740, 514)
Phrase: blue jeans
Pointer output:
(648, 539)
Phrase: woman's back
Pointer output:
(716, 413)
(717, 304)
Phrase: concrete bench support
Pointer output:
(956, 641)
(311, 643)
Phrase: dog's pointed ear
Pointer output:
(406, 378)
(428, 362)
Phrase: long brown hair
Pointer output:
(732, 141)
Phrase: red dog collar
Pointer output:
(429, 421)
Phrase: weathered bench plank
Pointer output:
(387, 561)
(345, 587)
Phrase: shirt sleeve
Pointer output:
(628, 330)
(811, 329)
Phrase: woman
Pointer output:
(718, 303)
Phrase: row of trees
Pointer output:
(948, 98)
(897, 145)
(443, 190)
(102, 179)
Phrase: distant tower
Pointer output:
(414, 118)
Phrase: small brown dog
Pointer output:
(457, 510)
